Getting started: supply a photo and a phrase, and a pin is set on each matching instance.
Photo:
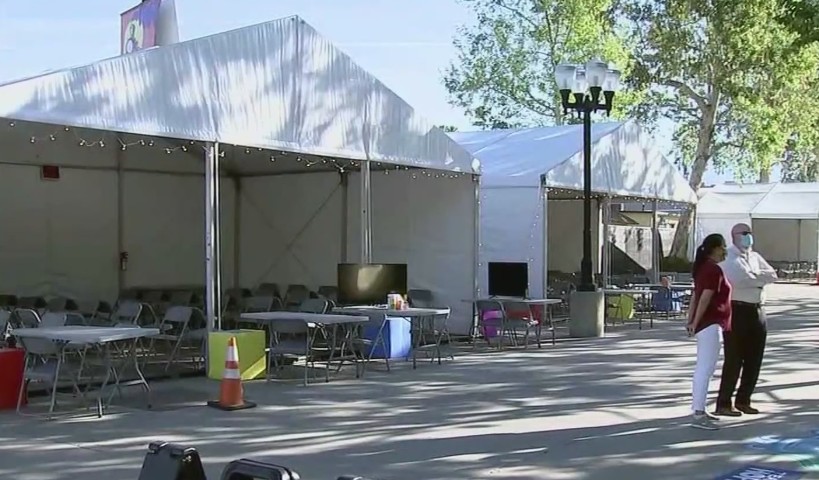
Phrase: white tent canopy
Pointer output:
(278, 85)
(625, 160)
(784, 217)
(521, 167)
(274, 103)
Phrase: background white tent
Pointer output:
(521, 166)
(297, 125)
(784, 217)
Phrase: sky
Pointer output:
(406, 44)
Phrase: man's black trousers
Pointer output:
(744, 347)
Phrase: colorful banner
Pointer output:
(138, 28)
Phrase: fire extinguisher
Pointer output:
(123, 261)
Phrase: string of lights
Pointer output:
(568, 194)
(338, 164)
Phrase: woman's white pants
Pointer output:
(708, 344)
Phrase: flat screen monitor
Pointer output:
(360, 284)
(508, 279)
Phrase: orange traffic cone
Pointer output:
(231, 393)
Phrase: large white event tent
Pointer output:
(783, 216)
(319, 162)
(532, 174)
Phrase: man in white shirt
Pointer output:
(744, 343)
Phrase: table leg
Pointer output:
(106, 359)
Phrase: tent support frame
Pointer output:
(366, 213)
(544, 218)
(212, 257)
(345, 214)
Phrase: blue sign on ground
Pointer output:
(752, 472)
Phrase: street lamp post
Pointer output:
(580, 90)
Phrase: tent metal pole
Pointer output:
(366, 214)
(237, 232)
(217, 229)
(123, 261)
(476, 255)
(345, 214)
(476, 237)
(544, 218)
(211, 154)
(655, 244)
(799, 240)
(605, 248)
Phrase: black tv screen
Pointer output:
(508, 279)
(360, 284)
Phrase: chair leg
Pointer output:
(23, 384)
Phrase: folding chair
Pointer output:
(255, 304)
(53, 319)
(44, 362)
(24, 318)
(314, 305)
(61, 304)
(268, 289)
(290, 338)
(176, 331)
(329, 292)
(518, 315)
(295, 295)
(364, 348)
(127, 314)
(4, 326)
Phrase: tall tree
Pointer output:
(727, 73)
(504, 72)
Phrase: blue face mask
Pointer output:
(747, 241)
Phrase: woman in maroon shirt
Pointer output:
(708, 315)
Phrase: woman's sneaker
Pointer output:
(702, 421)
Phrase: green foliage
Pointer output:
(734, 57)
(504, 73)
(800, 165)
(448, 128)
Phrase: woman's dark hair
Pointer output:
(709, 244)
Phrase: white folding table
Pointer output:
(318, 321)
(100, 339)
(414, 316)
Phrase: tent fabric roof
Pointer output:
(278, 85)
(625, 160)
(766, 200)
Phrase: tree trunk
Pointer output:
(764, 174)
(705, 143)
